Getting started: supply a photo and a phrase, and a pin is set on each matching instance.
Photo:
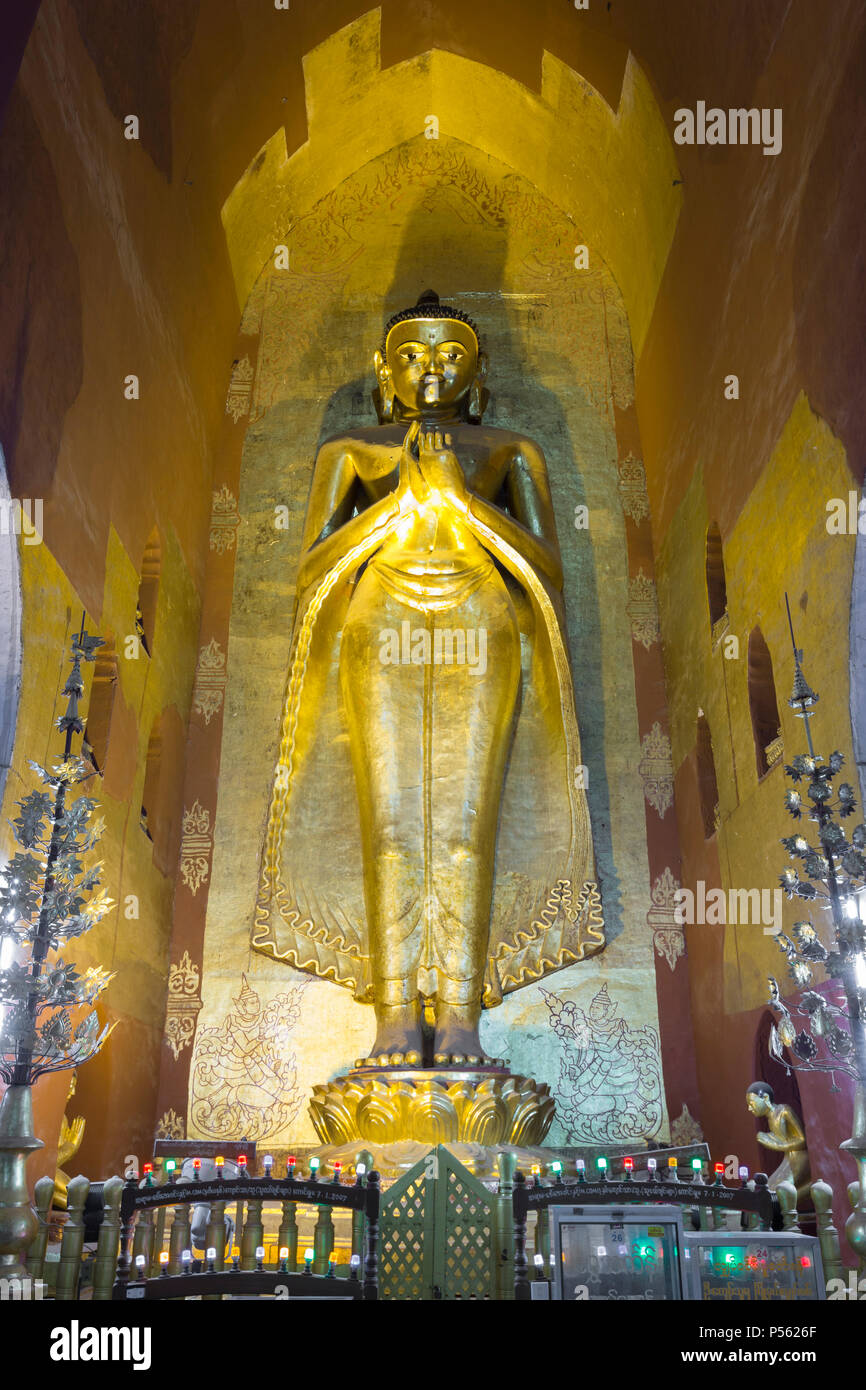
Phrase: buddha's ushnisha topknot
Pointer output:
(429, 307)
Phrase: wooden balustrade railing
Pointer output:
(130, 1259)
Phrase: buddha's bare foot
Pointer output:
(398, 1044)
(457, 1045)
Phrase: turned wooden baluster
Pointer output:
(504, 1226)
(142, 1241)
(108, 1240)
(72, 1240)
(254, 1234)
(155, 1268)
(288, 1234)
(180, 1238)
(371, 1269)
(787, 1195)
(323, 1239)
(44, 1195)
(521, 1269)
(828, 1236)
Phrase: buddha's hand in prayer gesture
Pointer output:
(439, 465)
(71, 1136)
(411, 487)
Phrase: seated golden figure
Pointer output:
(785, 1136)
(430, 594)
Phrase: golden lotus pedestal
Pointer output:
(483, 1106)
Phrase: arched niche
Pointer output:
(763, 704)
(615, 170)
(708, 790)
(442, 215)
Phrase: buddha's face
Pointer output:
(758, 1103)
(431, 363)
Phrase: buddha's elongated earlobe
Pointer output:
(386, 388)
(477, 399)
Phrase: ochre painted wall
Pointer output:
(115, 261)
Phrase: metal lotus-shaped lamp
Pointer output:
(825, 1027)
(47, 898)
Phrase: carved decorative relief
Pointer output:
(184, 1004)
(642, 609)
(632, 489)
(668, 936)
(686, 1130)
(224, 521)
(240, 389)
(196, 847)
(171, 1126)
(656, 769)
(210, 680)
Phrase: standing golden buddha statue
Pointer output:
(430, 592)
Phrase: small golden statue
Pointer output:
(785, 1135)
(71, 1135)
(430, 714)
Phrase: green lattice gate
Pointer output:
(436, 1233)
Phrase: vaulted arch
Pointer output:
(616, 172)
